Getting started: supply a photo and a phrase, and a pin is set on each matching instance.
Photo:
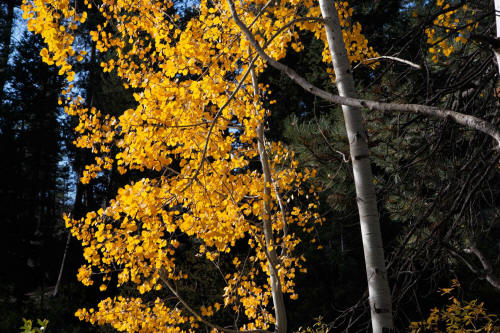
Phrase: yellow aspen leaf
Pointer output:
(195, 167)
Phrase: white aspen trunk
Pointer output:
(278, 301)
(497, 21)
(378, 286)
(270, 243)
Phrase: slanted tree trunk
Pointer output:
(278, 302)
(378, 286)
(75, 214)
(270, 243)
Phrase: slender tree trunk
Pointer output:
(497, 21)
(279, 304)
(270, 243)
(76, 213)
(378, 286)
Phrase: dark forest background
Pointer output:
(438, 184)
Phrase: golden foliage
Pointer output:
(184, 129)
(458, 316)
(450, 29)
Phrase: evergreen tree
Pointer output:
(30, 195)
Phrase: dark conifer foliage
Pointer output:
(6, 27)
(31, 191)
(38, 184)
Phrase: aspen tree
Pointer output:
(198, 125)
(378, 285)
(192, 86)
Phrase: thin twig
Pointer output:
(199, 317)
(404, 61)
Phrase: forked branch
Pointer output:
(486, 273)
(487, 269)
(460, 118)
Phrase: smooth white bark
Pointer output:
(272, 257)
(378, 286)
(497, 21)
(270, 243)
(487, 268)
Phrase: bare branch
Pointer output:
(488, 270)
(493, 42)
(462, 119)
(465, 261)
(404, 61)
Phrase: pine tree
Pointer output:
(31, 197)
